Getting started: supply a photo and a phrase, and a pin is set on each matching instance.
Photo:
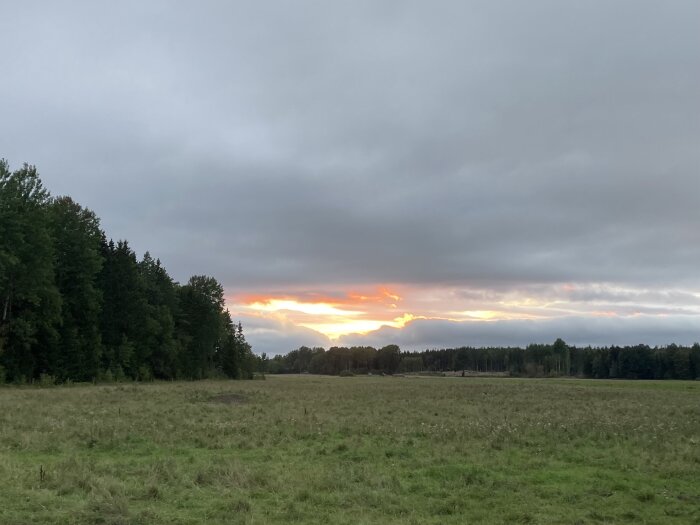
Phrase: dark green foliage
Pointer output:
(248, 362)
(536, 360)
(124, 312)
(231, 350)
(159, 336)
(77, 264)
(201, 304)
(74, 306)
(388, 359)
(30, 304)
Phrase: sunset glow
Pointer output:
(354, 312)
(337, 316)
(360, 326)
(482, 314)
(321, 309)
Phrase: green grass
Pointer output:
(355, 450)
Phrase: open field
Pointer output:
(311, 449)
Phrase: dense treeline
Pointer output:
(75, 306)
(536, 360)
(336, 360)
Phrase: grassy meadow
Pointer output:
(356, 450)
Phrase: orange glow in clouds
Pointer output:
(337, 315)
(334, 316)
(341, 313)
(275, 305)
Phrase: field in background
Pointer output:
(310, 449)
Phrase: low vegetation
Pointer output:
(310, 449)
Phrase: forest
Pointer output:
(75, 306)
(535, 360)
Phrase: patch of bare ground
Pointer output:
(229, 399)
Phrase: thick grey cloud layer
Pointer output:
(581, 331)
(277, 144)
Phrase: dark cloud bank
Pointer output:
(493, 144)
(422, 334)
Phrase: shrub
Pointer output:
(46, 380)
(119, 375)
(145, 374)
(106, 377)
(346, 373)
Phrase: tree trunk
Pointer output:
(6, 308)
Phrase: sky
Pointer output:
(430, 174)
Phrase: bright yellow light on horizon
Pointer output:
(335, 330)
(482, 315)
(356, 313)
(489, 315)
(275, 305)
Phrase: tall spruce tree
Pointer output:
(123, 312)
(159, 336)
(231, 353)
(77, 262)
(246, 357)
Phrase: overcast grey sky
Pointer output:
(285, 147)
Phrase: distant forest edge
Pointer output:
(536, 360)
(75, 306)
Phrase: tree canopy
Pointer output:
(535, 360)
(77, 306)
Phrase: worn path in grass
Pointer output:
(353, 450)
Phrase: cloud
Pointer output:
(580, 331)
(429, 317)
(273, 336)
(323, 146)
